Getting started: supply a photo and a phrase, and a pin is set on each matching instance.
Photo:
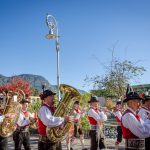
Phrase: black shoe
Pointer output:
(84, 149)
(71, 148)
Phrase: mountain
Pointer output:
(36, 81)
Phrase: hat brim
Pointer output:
(136, 98)
(24, 101)
(93, 101)
(118, 103)
(53, 93)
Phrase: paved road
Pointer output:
(76, 145)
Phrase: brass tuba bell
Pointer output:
(13, 107)
(55, 134)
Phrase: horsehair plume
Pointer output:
(43, 88)
(128, 89)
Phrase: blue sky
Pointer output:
(88, 29)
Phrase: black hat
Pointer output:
(145, 98)
(76, 102)
(118, 102)
(132, 96)
(24, 101)
(93, 99)
(47, 93)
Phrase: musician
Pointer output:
(46, 118)
(77, 113)
(4, 140)
(118, 110)
(144, 112)
(133, 127)
(22, 136)
(96, 119)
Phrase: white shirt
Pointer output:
(139, 128)
(143, 114)
(98, 116)
(23, 121)
(1, 118)
(48, 119)
(118, 114)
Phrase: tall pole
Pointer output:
(58, 70)
(53, 34)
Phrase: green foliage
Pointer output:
(35, 92)
(34, 105)
(85, 123)
(84, 100)
(117, 75)
(103, 93)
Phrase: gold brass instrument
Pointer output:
(56, 134)
(12, 107)
(34, 124)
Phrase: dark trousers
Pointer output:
(94, 140)
(77, 129)
(3, 143)
(147, 143)
(119, 135)
(21, 138)
(49, 146)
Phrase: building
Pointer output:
(142, 88)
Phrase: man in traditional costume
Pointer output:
(46, 119)
(144, 111)
(118, 114)
(96, 119)
(133, 127)
(77, 127)
(21, 136)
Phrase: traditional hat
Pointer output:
(132, 96)
(76, 102)
(24, 101)
(93, 99)
(118, 102)
(145, 98)
(47, 93)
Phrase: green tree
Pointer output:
(84, 99)
(35, 92)
(34, 105)
(117, 75)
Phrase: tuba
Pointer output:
(13, 107)
(55, 134)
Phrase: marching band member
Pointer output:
(46, 118)
(118, 114)
(3, 140)
(144, 112)
(22, 136)
(95, 119)
(133, 127)
(77, 113)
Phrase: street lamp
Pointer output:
(53, 34)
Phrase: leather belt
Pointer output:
(138, 144)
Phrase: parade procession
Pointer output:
(75, 75)
(62, 122)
